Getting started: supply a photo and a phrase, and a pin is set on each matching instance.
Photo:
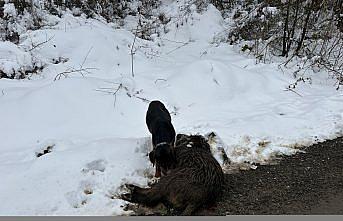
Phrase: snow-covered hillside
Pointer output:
(86, 106)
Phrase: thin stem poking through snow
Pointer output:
(65, 73)
(84, 60)
(132, 52)
(109, 91)
(41, 43)
(290, 89)
(80, 70)
(184, 44)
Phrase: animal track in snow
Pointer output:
(81, 196)
(96, 165)
(76, 199)
(87, 187)
(144, 146)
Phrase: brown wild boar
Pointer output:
(196, 179)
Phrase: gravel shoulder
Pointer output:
(305, 183)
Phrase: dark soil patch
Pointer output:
(305, 183)
(47, 150)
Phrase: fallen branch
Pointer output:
(84, 60)
(65, 73)
(290, 89)
(39, 44)
(80, 70)
(142, 98)
(184, 44)
(114, 93)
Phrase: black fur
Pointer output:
(196, 180)
(159, 124)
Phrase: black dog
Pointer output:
(159, 124)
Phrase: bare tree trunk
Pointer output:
(218, 3)
(338, 7)
(2, 3)
(295, 21)
(285, 30)
(303, 34)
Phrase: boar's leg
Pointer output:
(190, 209)
(158, 171)
(191, 199)
(148, 197)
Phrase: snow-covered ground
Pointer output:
(94, 119)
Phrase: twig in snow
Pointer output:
(114, 93)
(39, 44)
(184, 44)
(160, 79)
(142, 98)
(84, 60)
(290, 89)
(65, 73)
(203, 53)
(80, 70)
(178, 42)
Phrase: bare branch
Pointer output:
(183, 44)
(39, 44)
(84, 60)
(132, 52)
(65, 73)
(110, 91)
(290, 89)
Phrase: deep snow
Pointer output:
(100, 139)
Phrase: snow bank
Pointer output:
(74, 178)
(14, 61)
(93, 115)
